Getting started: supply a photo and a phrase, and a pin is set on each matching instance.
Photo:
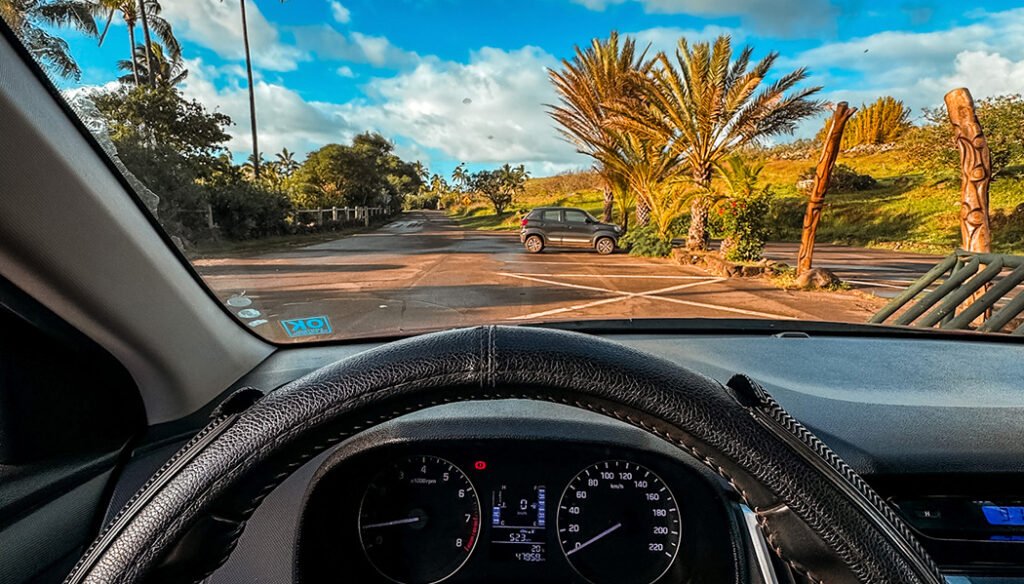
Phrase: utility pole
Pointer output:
(252, 97)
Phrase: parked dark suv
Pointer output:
(567, 226)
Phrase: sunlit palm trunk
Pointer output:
(609, 204)
(697, 236)
(643, 211)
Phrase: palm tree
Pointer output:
(249, 169)
(705, 105)
(166, 72)
(649, 168)
(460, 177)
(595, 77)
(130, 11)
(287, 162)
(149, 17)
(26, 18)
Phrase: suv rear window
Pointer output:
(555, 216)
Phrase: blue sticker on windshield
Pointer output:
(304, 327)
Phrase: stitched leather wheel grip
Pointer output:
(815, 511)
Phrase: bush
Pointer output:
(745, 225)
(244, 210)
(843, 179)
(643, 240)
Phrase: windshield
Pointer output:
(340, 169)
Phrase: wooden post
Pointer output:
(320, 215)
(975, 171)
(347, 217)
(366, 216)
(334, 213)
(209, 216)
(829, 153)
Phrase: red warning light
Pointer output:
(480, 465)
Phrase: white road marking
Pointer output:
(622, 295)
(725, 308)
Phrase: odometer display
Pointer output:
(618, 523)
(419, 520)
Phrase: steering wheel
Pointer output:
(814, 510)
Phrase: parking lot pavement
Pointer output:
(423, 272)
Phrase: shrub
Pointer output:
(745, 225)
(843, 179)
(643, 240)
(244, 210)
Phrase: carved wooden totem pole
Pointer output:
(975, 171)
(829, 153)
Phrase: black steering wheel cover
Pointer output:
(817, 514)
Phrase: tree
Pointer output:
(596, 77)
(130, 11)
(512, 182)
(705, 105)
(363, 174)
(166, 72)
(648, 167)
(151, 117)
(489, 184)
(882, 122)
(932, 146)
(286, 160)
(28, 17)
(460, 177)
(149, 17)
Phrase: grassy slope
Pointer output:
(909, 209)
(570, 191)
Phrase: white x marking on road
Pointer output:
(622, 295)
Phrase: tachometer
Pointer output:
(419, 520)
(618, 523)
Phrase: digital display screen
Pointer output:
(519, 523)
(1003, 515)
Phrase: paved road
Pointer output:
(423, 272)
(880, 272)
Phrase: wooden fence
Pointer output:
(320, 215)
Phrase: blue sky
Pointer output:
(452, 81)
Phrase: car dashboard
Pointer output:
(515, 490)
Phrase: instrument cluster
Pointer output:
(525, 511)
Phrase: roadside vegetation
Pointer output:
(685, 146)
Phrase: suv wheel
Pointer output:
(534, 244)
(605, 246)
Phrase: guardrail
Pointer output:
(969, 287)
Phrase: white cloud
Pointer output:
(490, 110)
(986, 56)
(346, 71)
(284, 118)
(328, 44)
(340, 13)
(775, 16)
(217, 26)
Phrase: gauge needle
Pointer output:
(593, 539)
(395, 522)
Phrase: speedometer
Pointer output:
(618, 523)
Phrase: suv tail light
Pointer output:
(524, 222)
